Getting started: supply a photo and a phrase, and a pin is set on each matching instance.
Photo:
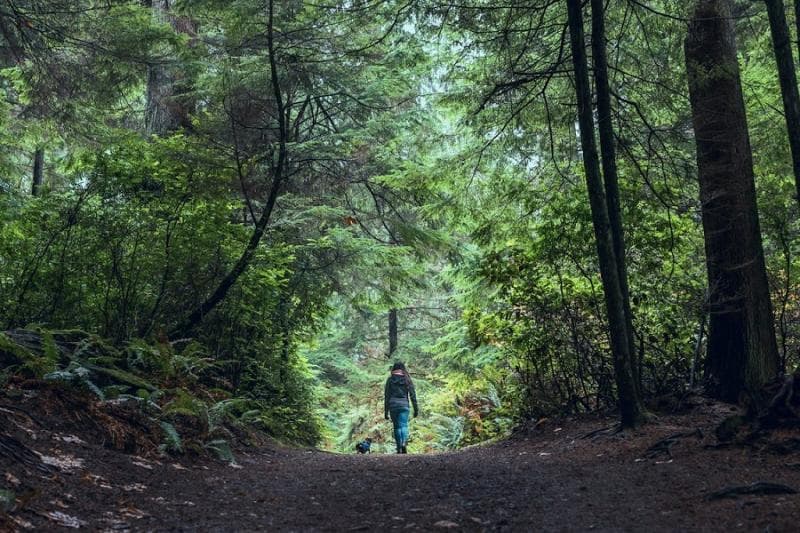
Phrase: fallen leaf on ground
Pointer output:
(24, 524)
(59, 503)
(70, 439)
(64, 520)
(100, 481)
(65, 463)
(132, 512)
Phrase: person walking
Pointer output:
(397, 392)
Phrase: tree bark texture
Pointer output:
(631, 410)
(168, 105)
(38, 172)
(782, 46)
(742, 352)
(609, 161)
(797, 23)
(392, 331)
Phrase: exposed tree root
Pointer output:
(611, 430)
(783, 407)
(760, 488)
(664, 446)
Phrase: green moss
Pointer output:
(141, 355)
(122, 377)
(185, 404)
(51, 352)
(96, 346)
(12, 353)
(144, 394)
(69, 335)
(103, 360)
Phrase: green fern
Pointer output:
(172, 440)
(222, 450)
(75, 374)
(220, 411)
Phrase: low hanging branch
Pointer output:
(278, 174)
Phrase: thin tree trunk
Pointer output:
(697, 347)
(782, 46)
(278, 170)
(392, 331)
(631, 410)
(797, 23)
(609, 161)
(38, 171)
(742, 352)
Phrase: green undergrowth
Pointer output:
(456, 410)
(182, 389)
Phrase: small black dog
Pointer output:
(364, 446)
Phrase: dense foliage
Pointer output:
(317, 165)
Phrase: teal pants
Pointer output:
(400, 423)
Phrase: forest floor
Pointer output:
(556, 476)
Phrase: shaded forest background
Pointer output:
(248, 209)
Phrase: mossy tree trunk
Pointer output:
(742, 352)
(169, 105)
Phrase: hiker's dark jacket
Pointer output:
(397, 393)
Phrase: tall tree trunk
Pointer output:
(631, 410)
(782, 45)
(742, 352)
(797, 23)
(392, 331)
(278, 172)
(609, 161)
(168, 107)
(38, 171)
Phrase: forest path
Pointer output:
(550, 480)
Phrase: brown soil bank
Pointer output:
(552, 478)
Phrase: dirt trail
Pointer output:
(548, 479)
(512, 487)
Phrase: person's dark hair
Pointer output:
(399, 365)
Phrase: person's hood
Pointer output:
(397, 379)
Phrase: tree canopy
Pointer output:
(513, 198)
